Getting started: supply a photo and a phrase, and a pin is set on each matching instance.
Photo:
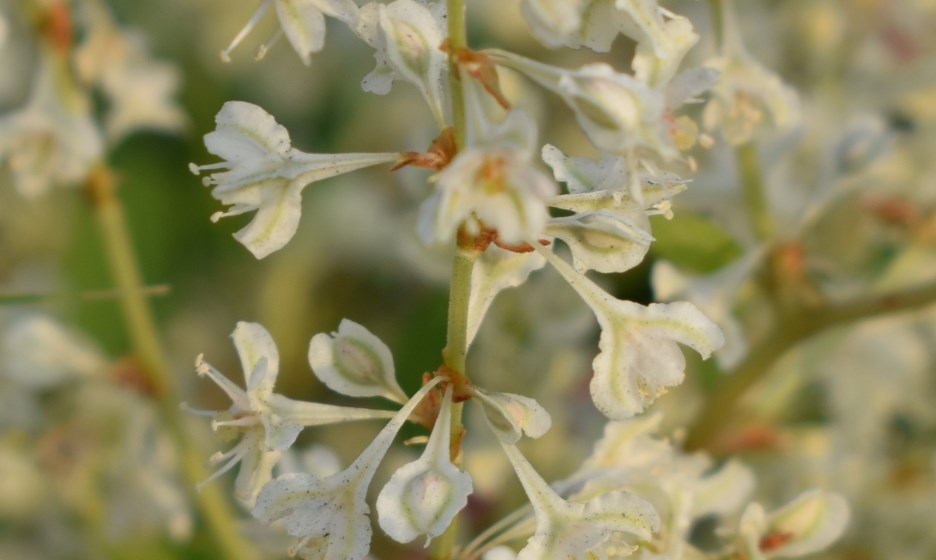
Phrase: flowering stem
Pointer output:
(90, 295)
(746, 156)
(718, 21)
(454, 357)
(795, 327)
(147, 347)
(456, 346)
(457, 40)
(752, 184)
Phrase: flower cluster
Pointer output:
(754, 189)
(505, 214)
(56, 137)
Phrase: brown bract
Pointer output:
(441, 151)
(56, 26)
(486, 236)
(479, 67)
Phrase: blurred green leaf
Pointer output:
(693, 243)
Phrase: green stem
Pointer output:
(456, 347)
(796, 327)
(454, 357)
(752, 184)
(747, 159)
(457, 40)
(90, 295)
(718, 21)
(147, 347)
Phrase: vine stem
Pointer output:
(147, 347)
(795, 327)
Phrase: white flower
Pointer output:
(657, 60)
(139, 88)
(746, 90)
(262, 172)
(303, 22)
(492, 183)
(499, 553)
(266, 422)
(611, 184)
(508, 415)
(38, 352)
(496, 270)
(407, 36)
(603, 240)
(639, 355)
(497, 186)
(578, 530)
(354, 362)
(52, 140)
(329, 515)
(424, 496)
(806, 525)
(682, 488)
(618, 112)
(596, 23)
(715, 294)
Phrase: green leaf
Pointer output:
(693, 243)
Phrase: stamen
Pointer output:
(197, 169)
(236, 394)
(262, 49)
(184, 407)
(241, 451)
(261, 9)
(244, 421)
(219, 456)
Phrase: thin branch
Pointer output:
(796, 327)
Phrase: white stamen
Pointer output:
(262, 49)
(250, 420)
(236, 394)
(261, 9)
(196, 411)
(240, 452)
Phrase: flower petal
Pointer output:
(304, 26)
(603, 240)
(355, 363)
(639, 355)
(510, 414)
(254, 344)
(329, 515)
(811, 523)
(495, 271)
(424, 496)
(246, 131)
